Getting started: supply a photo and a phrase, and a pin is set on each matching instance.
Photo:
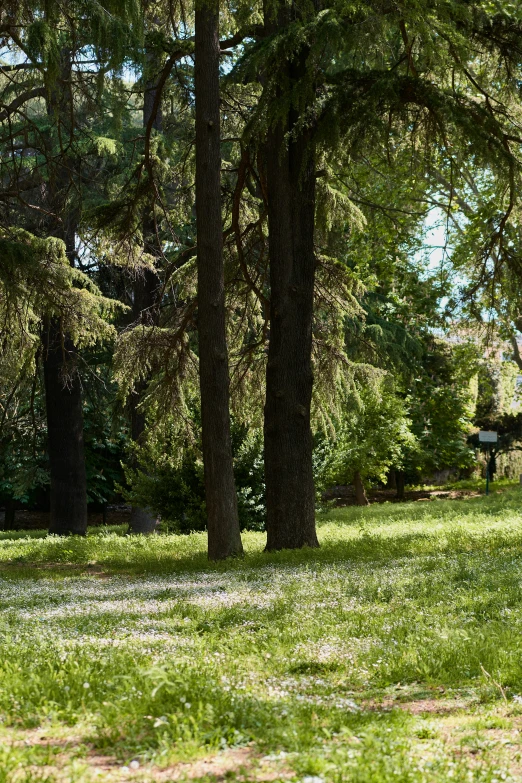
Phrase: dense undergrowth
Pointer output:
(391, 654)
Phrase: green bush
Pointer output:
(174, 489)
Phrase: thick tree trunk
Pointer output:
(63, 397)
(224, 537)
(400, 485)
(360, 492)
(145, 296)
(65, 445)
(290, 493)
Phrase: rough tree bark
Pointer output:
(224, 538)
(65, 444)
(145, 293)
(63, 397)
(360, 492)
(290, 176)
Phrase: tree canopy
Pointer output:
(219, 288)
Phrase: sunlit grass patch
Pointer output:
(477, 484)
(376, 658)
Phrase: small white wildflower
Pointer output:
(86, 685)
(188, 705)
(517, 698)
(66, 688)
(182, 699)
(134, 764)
(312, 779)
(275, 756)
(125, 769)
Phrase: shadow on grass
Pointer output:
(103, 556)
(379, 534)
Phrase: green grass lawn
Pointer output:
(393, 653)
(476, 484)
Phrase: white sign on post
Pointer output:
(486, 436)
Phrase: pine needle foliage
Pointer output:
(38, 282)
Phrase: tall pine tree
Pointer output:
(224, 538)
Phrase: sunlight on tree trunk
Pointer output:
(360, 492)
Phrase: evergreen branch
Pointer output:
(183, 51)
(450, 188)
(36, 92)
(19, 43)
(17, 67)
(240, 183)
(256, 31)
(408, 46)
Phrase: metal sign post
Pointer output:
(487, 469)
(487, 437)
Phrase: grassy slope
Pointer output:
(394, 653)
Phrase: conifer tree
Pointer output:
(147, 284)
(51, 46)
(63, 396)
(290, 176)
(341, 81)
(224, 537)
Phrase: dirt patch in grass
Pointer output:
(428, 706)
(432, 706)
(345, 495)
(241, 763)
(18, 738)
(70, 752)
(479, 744)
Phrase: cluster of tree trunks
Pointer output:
(289, 160)
(290, 176)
